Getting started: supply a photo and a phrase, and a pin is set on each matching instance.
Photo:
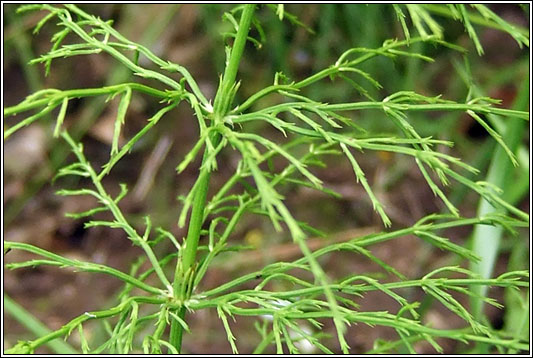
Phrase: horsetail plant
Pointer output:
(161, 296)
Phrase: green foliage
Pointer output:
(312, 130)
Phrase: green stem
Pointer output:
(36, 327)
(30, 346)
(220, 109)
(228, 81)
(53, 95)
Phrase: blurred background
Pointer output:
(190, 35)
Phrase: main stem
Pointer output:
(198, 206)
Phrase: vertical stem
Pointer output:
(228, 80)
(198, 206)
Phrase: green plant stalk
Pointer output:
(35, 326)
(53, 95)
(57, 260)
(30, 346)
(230, 73)
(197, 214)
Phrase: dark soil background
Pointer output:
(189, 35)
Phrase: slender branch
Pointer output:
(197, 214)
